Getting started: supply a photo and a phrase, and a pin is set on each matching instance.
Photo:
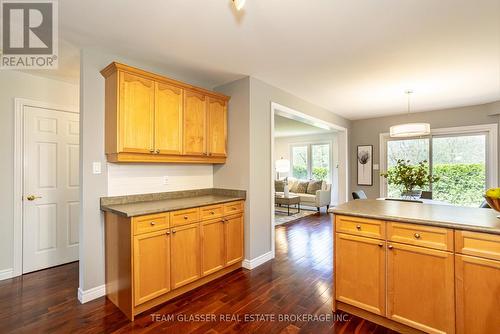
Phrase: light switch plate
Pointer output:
(96, 167)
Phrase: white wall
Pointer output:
(15, 84)
(92, 149)
(128, 179)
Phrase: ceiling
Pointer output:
(355, 58)
(287, 127)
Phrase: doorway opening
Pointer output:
(309, 166)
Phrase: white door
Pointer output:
(50, 187)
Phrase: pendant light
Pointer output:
(238, 4)
(410, 129)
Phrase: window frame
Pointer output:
(490, 130)
(309, 145)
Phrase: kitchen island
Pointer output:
(417, 267)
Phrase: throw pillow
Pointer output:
(302, 187)
(279, 186)
(314, 186)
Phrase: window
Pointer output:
(311, 161)
(461, 159)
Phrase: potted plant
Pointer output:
(410, 178)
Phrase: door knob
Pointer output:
(32, 197)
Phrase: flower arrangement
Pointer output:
(409, 177)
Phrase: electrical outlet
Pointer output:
(165, 180)
(96, 167)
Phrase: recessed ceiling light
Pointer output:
(238, 4)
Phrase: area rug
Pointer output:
(281, 214)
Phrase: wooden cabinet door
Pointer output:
(212, 246)
(420, 288)
(195, 124)
(185, 254)
(151, 265)
(168, 119)
(360, 272)
(477, 295)
(234, 239)
(136, 115)
(217, 127)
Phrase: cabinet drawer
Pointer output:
(150, 223)
(419, 235)
(182, 217)
(478, 244)
(371, 228)
(212, 211)
(233, 207)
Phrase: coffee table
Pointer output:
(288, 200)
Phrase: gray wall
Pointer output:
(92, 149)
(20, 85)
(253, 168)
(235, 173)
(366, 132)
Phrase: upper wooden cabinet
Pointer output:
(195, 124)
(151, 118)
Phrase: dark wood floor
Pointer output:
(296, 283)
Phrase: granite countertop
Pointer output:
(470, 219)
(144, 204)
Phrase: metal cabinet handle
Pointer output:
(185, 217)
(157, 151)
(358, 227)
(151, 151)
(381, 245)
(153, 223)
(168, 233)
(212, 212)
(417, 236)
(174, 231)
(390, 247)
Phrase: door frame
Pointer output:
(343, 157)
(19, 105)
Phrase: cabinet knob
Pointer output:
(212, 212)
(151, 151)
(358, 227)
(153, 223)
(390, 247)
(417, 236)
(185, 217)
(174, 231)
(168, 233)
(157, 151)
(381, 245)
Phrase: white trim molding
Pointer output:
(259, 260)
(6, 274)
(19, 105)
(491, 147)
(91, 294)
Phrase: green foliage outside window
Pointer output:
(320, 173)
(460, 184)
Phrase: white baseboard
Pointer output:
(6, 274)
(254, 263)
(91, 294)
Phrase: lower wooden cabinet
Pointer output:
(153, 258)
(420, 288)
(477, 284)
(151, 265)
(233, 239)
(213, 247)
(185, 255)
(362, 264)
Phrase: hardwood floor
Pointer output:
(296, 283)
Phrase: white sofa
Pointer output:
(321, 198)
